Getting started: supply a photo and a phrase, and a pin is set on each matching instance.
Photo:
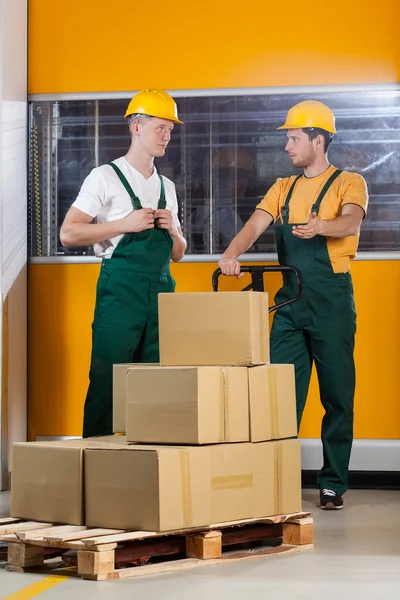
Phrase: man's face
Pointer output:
(302, 151)
(154, 135)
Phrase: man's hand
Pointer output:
(310, 230)
(230, 267)
(138, 220)
(163, 219)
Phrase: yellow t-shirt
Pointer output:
(348, 188)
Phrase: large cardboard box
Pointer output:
(227, 328)
(119, 393)
(166, 488)
(47, 479)
(272, 399)
(187, 405)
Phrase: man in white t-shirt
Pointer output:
(136, 232)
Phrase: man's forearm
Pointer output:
(241, 243)
(342, 226)
(179, 245)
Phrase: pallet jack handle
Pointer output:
(257, 281)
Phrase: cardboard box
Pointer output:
(227, 328)
(47, 479)
(47, 482)
(187, 405)
(166, 488)
(119, 393)
(272, 399)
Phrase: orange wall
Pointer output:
(61, 302)
(97, 45)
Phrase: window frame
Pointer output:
(51, 213)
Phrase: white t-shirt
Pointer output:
(103, 197)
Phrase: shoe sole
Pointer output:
(331, 507)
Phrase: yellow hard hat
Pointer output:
(154, 103)
(310, 113)
(234, 157)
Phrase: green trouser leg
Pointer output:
(111, 345)
(148, 350)
(334, 362)
(292, 347)
(333, 356)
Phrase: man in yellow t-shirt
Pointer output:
(318, 216)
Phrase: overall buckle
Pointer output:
(315, 208)
(285, 212)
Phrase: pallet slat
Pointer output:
(87, 533)
(185, 563)
(42, 533)
(301, 521)
(9, 537)
(8, 520)
(22, 526)
(40, 542)
(121, 537)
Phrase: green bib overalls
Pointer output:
(319, 328)
(125, 327)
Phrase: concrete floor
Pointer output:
(356, 555)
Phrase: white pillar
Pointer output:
(13, 227)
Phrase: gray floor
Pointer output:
(356, 555)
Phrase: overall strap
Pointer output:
(324, 190)
(134, 199)
(285, 207)
(162, 203)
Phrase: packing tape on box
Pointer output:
(221, 437)
(277, 485)
(279, 477)
(187, 511)
(256, 326)
(265, 327)
(233, 482)
(273, 401)
(225, 404)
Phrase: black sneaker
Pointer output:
(330, 500)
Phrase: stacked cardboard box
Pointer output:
(47, 480)
(204, 405)
(162, 488)
(207, 431)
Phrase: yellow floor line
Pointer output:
(36, 588)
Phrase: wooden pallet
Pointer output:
(101, 554)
